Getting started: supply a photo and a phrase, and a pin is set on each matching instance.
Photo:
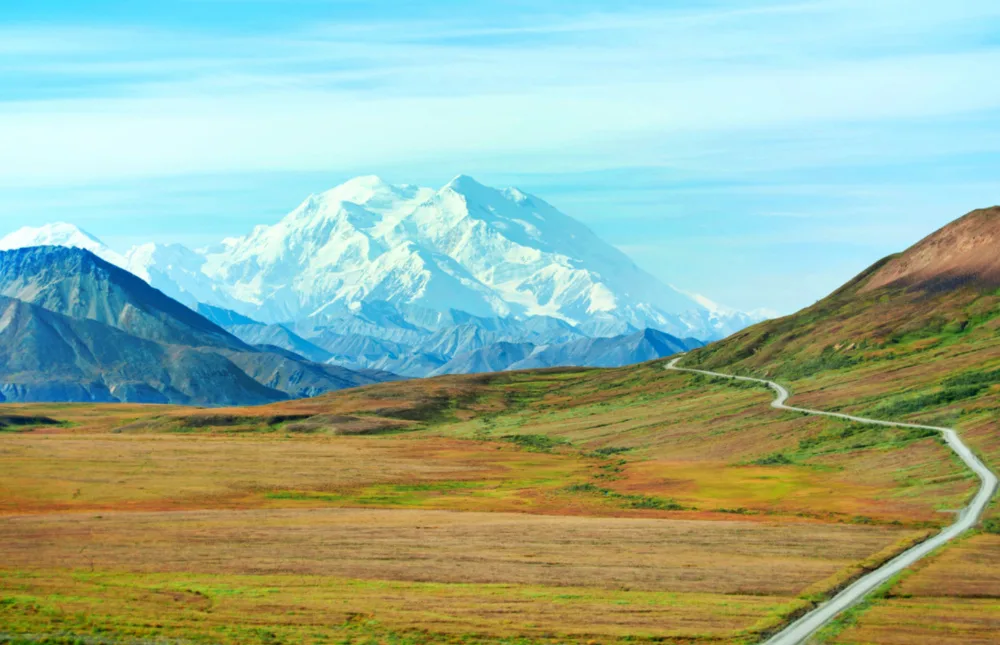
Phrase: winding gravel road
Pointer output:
(802, 629)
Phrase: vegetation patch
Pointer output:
(610, 450)
(775, 459)
(860, 436)
(628, 501)
(20, 423)
(972, 379)
(535, 442)
(921, 403)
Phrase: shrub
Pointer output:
(611, 450)
(628, 501)
(535, 442)
(974, 378)
(777, 459)
(922, 402)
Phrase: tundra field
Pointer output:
(626, 505)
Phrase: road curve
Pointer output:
(802, 629)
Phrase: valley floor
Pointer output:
(565, 506)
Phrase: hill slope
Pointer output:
(939, 293)
(916, 337)
(80, 285)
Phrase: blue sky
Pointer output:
(760, 153)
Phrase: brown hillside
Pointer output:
(967, 251)
(940, 293)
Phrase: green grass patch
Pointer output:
(973, 379)
(920, 403)
(535, 442)
(859, 436)
(776, 459)
(610, 450)
(628, 501)
(21, 423)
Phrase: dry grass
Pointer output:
(966, 570)
(952, 598)
(159, 472)
(928, 621)
(436, 546)
(278, 503)
(307, 575)
(271, 609)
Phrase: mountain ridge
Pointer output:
(420, 254)
(76, 326)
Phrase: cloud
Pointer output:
(628, 115)
(646, 87)
(297, 129)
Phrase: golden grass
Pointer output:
(266, 576)
(927, 621)
(968, 569)
(51, 473)
(951, 598)
(269, 609)
(257, 498)
(436, 546)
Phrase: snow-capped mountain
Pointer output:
(466, 246)
(61, 234)
(418, 260)
(177, 271)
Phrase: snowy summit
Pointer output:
(419, 257)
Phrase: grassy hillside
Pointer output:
(916, 337)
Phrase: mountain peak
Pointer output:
(371, 182)
(60, 234)
(963, 252)
(464, 184)
(370, 191)
(54, 234)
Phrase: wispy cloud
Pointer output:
(788, 112)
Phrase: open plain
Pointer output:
(576, 505)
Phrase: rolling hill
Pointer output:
(938, 298)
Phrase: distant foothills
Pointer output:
(363, 283)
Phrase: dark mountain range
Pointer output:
(47, 356)
(224, 317)
(76, 328)
(616, 351)
(280, 336)
(78, 284)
